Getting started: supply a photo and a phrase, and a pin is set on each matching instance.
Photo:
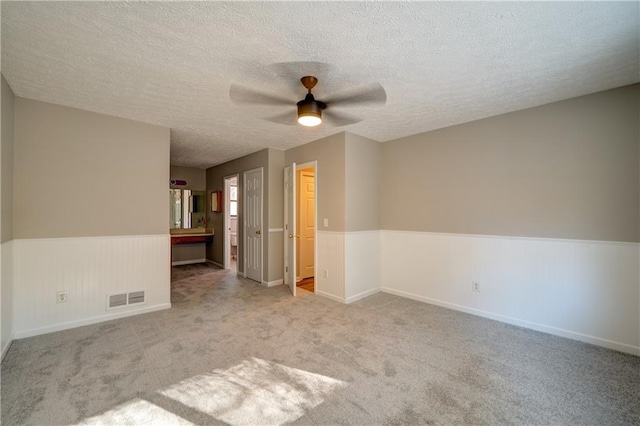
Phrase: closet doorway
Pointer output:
(306, 228)
(300, 226)
(231, 239)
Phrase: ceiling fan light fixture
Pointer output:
(309, 120)
(310, 113)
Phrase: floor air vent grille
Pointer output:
(124, 299)
(116, 300)
(136, 297)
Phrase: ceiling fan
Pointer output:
(311, 111)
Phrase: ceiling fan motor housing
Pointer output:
(309, 106)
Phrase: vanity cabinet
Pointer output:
(188, 246)
(191, 239)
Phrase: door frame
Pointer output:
(245, 235)
(226, 234)
(299, 169)
(289, 268)
(308, 165)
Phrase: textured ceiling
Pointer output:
(441, 64)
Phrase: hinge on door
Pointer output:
(286, 269)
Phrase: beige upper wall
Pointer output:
(329, 153)
(6, 155)
(564, 170)
(196, 178)
(362, 183)
(276, 188)
(78, 173)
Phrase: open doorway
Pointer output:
(304, 259)
(231, 239)
(305, 228)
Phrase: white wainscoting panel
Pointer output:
(330, 257)
(585, 290)
(89, 269)
(362, 264)
(6, 254)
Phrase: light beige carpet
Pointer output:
(231, 351)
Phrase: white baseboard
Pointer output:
(622, 347)
(89, 321)
(331, 296)
(6, 347)
(273, 283)
(363, 295)
(215, 263)
(188, 262)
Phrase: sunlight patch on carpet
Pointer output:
(254, 392)
(136, 412)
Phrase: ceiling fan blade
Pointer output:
(372, 93)
(245, 95)
(287, 118)
(338, 119)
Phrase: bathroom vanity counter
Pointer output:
(191, 236)
(192, 239)
(189, 245)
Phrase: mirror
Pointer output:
(187, 209)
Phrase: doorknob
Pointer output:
(294, 236)
(258, 232)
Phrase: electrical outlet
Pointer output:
(475, 286)
(326, 273)
(325, 222)
(61, 296)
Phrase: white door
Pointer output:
(306, 224)
(230, 210)
(290, 227)
(253, 224)
(226, 256)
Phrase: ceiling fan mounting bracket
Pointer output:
(309, 82)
